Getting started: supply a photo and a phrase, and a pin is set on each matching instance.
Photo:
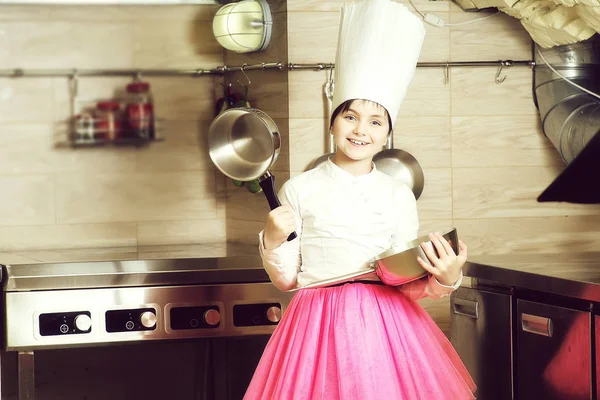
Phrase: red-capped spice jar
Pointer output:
(107, 120)
(139, 110)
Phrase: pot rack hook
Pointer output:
(329, 85)
(74, 83)
(243, 69)
(497, 78)
(446, 73)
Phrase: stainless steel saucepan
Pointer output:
(394, 267)
(244, 143)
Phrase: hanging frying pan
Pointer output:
(401, 165)
(244, 143)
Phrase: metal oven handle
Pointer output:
(535, 324)
(467, 308)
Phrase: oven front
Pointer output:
(179, 342)
(189, 369)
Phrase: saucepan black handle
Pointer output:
(267, 183)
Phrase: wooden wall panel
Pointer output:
(439, 310)
(426, 138)
(308, 139)
(506, 192)
(96, 203)
(335, 5)
(427, 226)
(498, 141)
(474, 92)
(530, 234)
(22, 238)
(242, 236)
(427, 95)
(307, 94)
(436, 199)
(498, 37)
(313, 38)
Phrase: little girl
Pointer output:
(360, 340)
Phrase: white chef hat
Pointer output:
(379, 43)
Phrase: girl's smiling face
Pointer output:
(359, 132)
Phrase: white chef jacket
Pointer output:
(344, 221)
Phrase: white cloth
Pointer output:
(343, 222)
(379, 43)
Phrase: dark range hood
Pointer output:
(571, 118)
(580, 181)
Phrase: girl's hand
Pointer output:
(280, 223)
(446, 264)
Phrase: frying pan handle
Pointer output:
(390, 142)
(267, 183)
(292, 236)
(329, 94)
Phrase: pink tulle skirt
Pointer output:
(358, 342)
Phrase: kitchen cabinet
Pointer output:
(234, 361)
(555, 323)
(553, 352)
(481, 324)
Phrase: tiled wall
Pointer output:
(59, 203)
(484, 156)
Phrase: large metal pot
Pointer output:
(394, 267)
(243, 143)
(399, 265)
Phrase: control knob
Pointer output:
(274, 314)
(83, 322)
(148, 319)
(212, 317)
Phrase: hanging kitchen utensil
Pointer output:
(244, 101)
(328, 88)
(394, 267)
(244, 143)
(227, 101)
(231, 101)
(401, 165)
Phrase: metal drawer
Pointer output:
(553, 352)
(481, 334)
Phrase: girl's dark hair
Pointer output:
(345, 106)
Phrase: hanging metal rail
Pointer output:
(20, 72)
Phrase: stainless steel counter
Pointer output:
(574, 275)
(97, 303)
(76, 275)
